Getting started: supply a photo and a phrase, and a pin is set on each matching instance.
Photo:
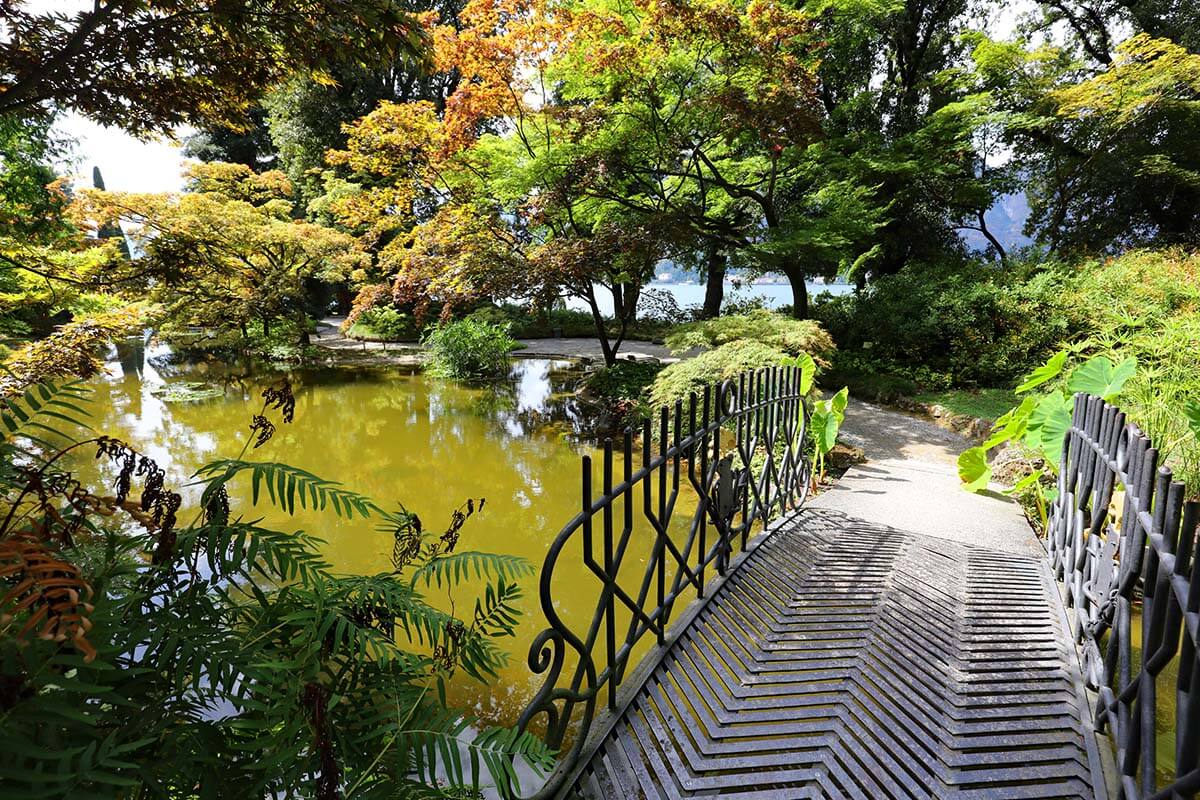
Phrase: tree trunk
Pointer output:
(714, 286)
(983, 228)
(796, 277)
(610, 353)
(302, 321)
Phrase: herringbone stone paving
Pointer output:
(850, 660)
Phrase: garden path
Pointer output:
(910, 481)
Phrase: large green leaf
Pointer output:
(827, 419)
(973, 469)
(808, 370)
(1012, 424)
(1046, 372)
(1048, 425)
(1098, 376)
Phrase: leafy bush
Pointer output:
(791, 336)
(965, 325)
(624, 380)
(623, 389)
(1145, 305)
(203, 654)
(469, 350)
(283, 342)
(385, 323)
(680, 379)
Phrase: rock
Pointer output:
(844, 456)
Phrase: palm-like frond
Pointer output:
(455, 568)
(45, 408)
(286, 485)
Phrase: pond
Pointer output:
(399, 437)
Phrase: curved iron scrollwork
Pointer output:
(741, 449)
(1107, 565)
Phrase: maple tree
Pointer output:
(226, 253)
(1105, 150)
(149, 65)
(584, 143)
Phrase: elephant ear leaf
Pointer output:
(1098, 376)
(1048, 426)
(839, 402)
(1046, 372)
(808, 370)
(973, 469)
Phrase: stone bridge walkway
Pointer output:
(897, 638)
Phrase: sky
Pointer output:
(127, 164)
(132, 165)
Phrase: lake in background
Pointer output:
(692, 294)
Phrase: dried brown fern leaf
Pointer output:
(47, 595)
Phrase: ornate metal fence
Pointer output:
(741, 447)
(1110, 563)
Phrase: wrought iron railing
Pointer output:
(1109, 563)
(741, 448)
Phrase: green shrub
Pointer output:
(624, 380)
(868, 380)
(791, 336)
(969, 322)
(1141, 308)
(283, 342)
(529, 323)
(623, 390)
(1146, 305)
(678, 380)
(469, 350)
(384, 323)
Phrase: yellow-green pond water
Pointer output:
(399, 438)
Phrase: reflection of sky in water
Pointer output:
(532, 390)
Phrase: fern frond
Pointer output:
(45, 408)
(286, 485)
(500, 748)
(496, 613)
(243, 548)
(441, 743)
(455, 568)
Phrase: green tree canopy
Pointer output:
(146, 66)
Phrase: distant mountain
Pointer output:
(1005, 219)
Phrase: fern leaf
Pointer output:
(284, 483)
(456, 568)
